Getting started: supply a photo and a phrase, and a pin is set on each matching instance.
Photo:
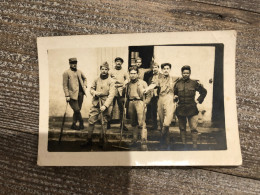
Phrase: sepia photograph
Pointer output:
(138, 99)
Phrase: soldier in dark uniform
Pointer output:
(149, 77)
(185, 91)
(74, 86)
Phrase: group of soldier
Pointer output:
(135, 90)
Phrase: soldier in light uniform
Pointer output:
(103, 87)
(119, 75)
(185, 91)
(74, 86)
(135, 95)
(166, 106)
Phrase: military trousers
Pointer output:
(120, 103)
(76, 107)
(136, 109)
(166, 109)
(95, 112)
(152, 111)
(193, 123)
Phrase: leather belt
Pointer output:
(135, 99)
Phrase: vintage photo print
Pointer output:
(138, 100)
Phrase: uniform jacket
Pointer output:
(119, 76)
(149, 79)
(186, 91)
(142, 71)
(71, 82)
(165, 84)
(106, 87)
(141, 86)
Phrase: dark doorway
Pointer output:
(144, 52)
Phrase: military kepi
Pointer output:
(120, 59)
(166, 64)
(73, 60)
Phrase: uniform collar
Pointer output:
(134, 81)
(186, 81)
(73, 70)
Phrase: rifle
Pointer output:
(62, 124)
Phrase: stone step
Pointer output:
(206, 135)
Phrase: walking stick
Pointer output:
(103, 133)
(62, 124)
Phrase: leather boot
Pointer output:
(162, 138)
(194, 137)
(144, 139)
(81, 125)
(108, 125)
(90, 132)
(124, 127)
(135, 135)
(74, 126)
(87, 143)
(144, 145)
(183, 137)
(167, 135)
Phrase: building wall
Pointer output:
(201, 60)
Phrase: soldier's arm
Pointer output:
(111, 94)
(126, 76)
(111, 74)
(152, 86)
(143, 86)
(148, 94)
(126, 80)
(66, 84)
(175, 91)
(84, 78)
(93, 88)
(146, 70)
(202, 91)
